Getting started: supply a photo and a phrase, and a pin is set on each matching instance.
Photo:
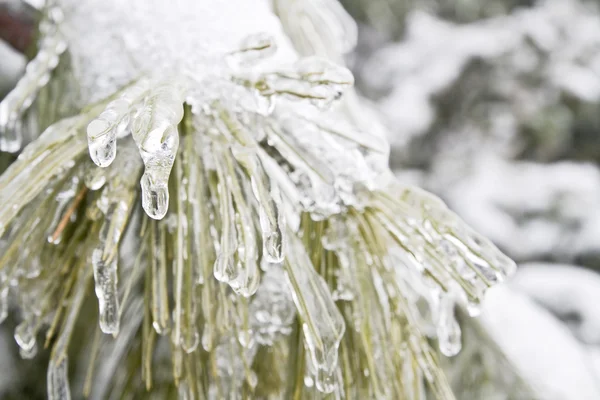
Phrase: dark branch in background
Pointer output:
(17, 24)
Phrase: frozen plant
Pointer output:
(274, 255)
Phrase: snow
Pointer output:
(532, 209)
(542, 350)
(568, 292)
(113, 41)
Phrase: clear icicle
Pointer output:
(105, 278)
(224, 264)
(116, 202)
(322, 322)
(37, 75)
(4, 290)
(58, 380)
(102, 132)
(448, 330)
(158, 265)
(271, 222)
(202, 248)
(184, 333)
(246, 267)
(155, 133)
(270, 214)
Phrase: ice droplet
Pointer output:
(155, 196)
(102, 141)
(155, 133)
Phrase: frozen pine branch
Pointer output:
(273, 254)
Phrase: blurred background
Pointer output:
(493, 105)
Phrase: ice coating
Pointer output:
(212, 91)
(253, 49)
(112, 123)
(37, 75)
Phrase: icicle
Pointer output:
(272, 224)
(105, 277)
(155, 133)
(158, 265)
(37, 75)
(58, 380)
(116, 202)
(184, 324)
(271, 217)
(4, 290)
(237, 232)
(448, 330)
(25, 337)
(224, 264)
(247, 273)
(202, 247)
(322, 323)
(102, 132)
